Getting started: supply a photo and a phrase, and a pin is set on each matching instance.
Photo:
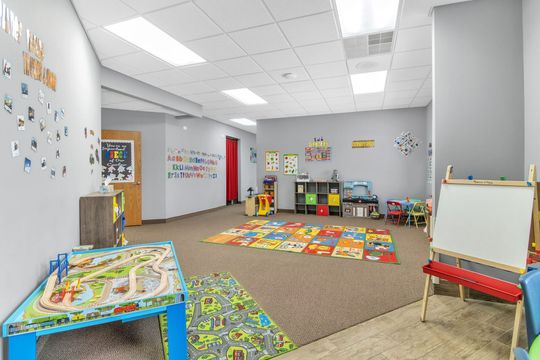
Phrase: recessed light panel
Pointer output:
(358, 17)
(368, 83)
(145, 35)
(245, 96)
(244, 121)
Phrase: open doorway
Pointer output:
(232, 170)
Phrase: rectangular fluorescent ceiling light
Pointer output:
(244, 121)
(358, 17)
(245, 96)
(145, 35)
(368, 83)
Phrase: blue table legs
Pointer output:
(22, 347)
(176, 331)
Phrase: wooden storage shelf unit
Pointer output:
(272, 190)
(102, 219)
(317, 198)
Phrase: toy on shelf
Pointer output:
(358, 199)
(270, 186)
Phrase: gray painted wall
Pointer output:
(39, 217)
(152, 128)
(185, 196)
(531, 61)
(393, 175)
(478, 89)
(478, 94)
(167, 198)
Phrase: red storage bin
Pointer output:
(322, 210)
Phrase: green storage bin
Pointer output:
(311, 199)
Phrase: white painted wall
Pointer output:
(39, 217)
(393, 175)
(531, 61)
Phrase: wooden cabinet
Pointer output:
(102, 219)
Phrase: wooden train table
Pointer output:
(102, 286)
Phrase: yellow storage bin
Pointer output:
(333, 199)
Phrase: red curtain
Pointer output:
(232, 169)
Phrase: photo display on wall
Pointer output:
(272, 161)
(318, 150)
(290, 164)
(118, 159)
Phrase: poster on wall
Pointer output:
(318, 150)
(363, 144)
(118, 161)
(406, 143)
(272, 161)
(290, 164)
(253, 155)
(185, 163)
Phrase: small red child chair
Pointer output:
(395, 210)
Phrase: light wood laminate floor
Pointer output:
(453, 330)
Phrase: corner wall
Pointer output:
(393, 174)
(39, 217)
(478, 90)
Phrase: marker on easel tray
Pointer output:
(470, 177)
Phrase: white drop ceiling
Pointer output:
(252, 43)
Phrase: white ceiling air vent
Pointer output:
(367, 45)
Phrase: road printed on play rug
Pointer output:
(224, 322)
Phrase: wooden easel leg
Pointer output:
(517, 323)
(425, 300)
(461, 288)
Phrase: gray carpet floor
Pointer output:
(309, 296)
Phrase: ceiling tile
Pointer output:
(260, 39)
(333, 82)
(404, 85)
(277, 60)
(413, 39)
(143, 6)
(337, 109)
(346, 100)
(425, 92)
(239, 66)
(369, 98)
(401, 102)
(299, 72)
(328, 70)
(268, 90)
(313, 104)
(136, 63)
(421, 101)
(108, 45)
(167, 77)
(206, 97)
(336, 93)
(411, 59)
(309, 95)
(216, 48)
(370, 63)
(278, 98)
(224, 83)
(311, 29)
(189, 89)
(257, 79)
(414, 73)
(299, 86)
(87, 24)
(415, 13)
(204, 71)
(184, 22)
(103, 12)
(234, 15)
(287, 9)
(321, 53)
(394, 95)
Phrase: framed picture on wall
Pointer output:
(290, 164)
(118, 160)
(272, 161)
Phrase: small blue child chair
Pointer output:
(530, 283)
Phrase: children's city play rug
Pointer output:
(225, 322)
(346, 242)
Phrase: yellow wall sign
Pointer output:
(356, 144)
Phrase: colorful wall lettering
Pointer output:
(192, 164)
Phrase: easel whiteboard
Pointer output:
(487, 222)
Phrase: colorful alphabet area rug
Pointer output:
(225, 322)
(346, 242)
